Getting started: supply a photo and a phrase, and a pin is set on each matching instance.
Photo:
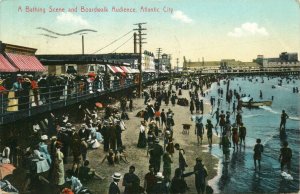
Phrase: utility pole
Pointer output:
(134, 42)
(140, 30)
(158, 50)
(177, 62)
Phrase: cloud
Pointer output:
(248, 29)
(180, 16)
(70, 18)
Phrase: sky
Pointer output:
(208, 29)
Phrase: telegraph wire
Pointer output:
(113, 42)
(122, 44)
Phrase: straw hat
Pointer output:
(44, 137)
(53, 138)
(159, 175)
(27, 80)
(117, 176)
(68, 125)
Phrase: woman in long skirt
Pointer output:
(142, 142)
(58, 168)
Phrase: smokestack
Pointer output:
(82, 44)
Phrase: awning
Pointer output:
(126, 69)
(149, 71)
(135, 71)
(26, 62)
(115, 69)
(165, 71)
(5, 66)
(119, 69)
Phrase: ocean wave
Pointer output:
(255, 115)
(267, 108)
(294, 118)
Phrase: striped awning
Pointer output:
(126, 69)
(5, 66)
(115, 69)
(26, 62)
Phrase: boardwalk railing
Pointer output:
(16, 105)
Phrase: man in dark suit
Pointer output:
(113, 187)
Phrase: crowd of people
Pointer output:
(50, 150)
(22, 91)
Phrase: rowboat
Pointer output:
(248, 102)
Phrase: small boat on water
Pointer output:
(248, 102)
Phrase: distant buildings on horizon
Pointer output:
(285, 61)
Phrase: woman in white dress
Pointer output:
(58, 168)
(6, 155)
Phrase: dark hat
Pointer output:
(198, 159)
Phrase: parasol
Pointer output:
(6, 169)
(91, 74)
(99, 105)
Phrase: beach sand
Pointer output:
(138, 157)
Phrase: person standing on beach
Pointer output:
(238, 119)
(163, 118)
(149, 180)
(284, 116)
(225, 142)
(235, 136)
(199, 130)
(155, 155)
(217, 116)
(201, 107)
(233, 107)
(192, 106)
(182, 162)
(200, 176)
(285, 156)
(209, 128)
(242, 134)
(131, 181)
(212, 101)
(113, 187)
(258, 149)
(222, 121)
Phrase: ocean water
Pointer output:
(238, 175)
